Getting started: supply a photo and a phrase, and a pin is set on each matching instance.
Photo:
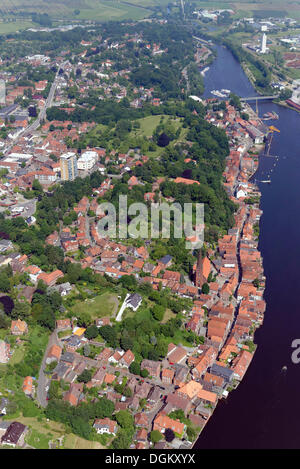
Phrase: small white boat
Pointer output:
(203, 72)
(218, 93)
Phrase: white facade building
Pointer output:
(87, 160)
(264, 44)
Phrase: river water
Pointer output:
(264, 411)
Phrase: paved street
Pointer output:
(43, 381)
(32, 127)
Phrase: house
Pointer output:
(106, 425)
(72, 343)
(3, 406)
(181, 373)
(165, 261)
(141, 435)
(127, 359)
(28, 386)
(152, 367)
(14, 435)
(63, 324)
(133, 403)
(222, 371)
(109, 378)
(154, 395)
(61, 371)
(180, 180)
(54, 354)
(63, 289)
(141, 420)
(18, 327)
(68, 358)
(98, 377)
(133, 181)
(167, 376)
(177, 355)
(104, 355)
(134, 301)
(241, 364)
(4, 352)
(50, 279)
(207, 397)
(189, 390)
(174, 401)
(116, 357)
(102, 322)
(162, 422)
(74, 394)
(142, 390)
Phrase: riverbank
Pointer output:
(256, 416)
(237, 292)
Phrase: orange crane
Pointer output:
(272, 128)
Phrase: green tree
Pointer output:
(85, 376)
(135, 368)
(155, 436)
(125, 419)
(158, 312)
(91, 332)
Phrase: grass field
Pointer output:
(168, 315)
(98, 307)
(42, 432)
(38, 440)
(75, 442)
(149, 123)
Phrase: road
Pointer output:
(32, 127)
(43, 381)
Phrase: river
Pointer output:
(264, 411)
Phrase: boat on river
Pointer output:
(218, 93)
(223, 93)
(203, 72)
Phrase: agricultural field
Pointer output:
(276, 8)
(99, 10)
(7, 27)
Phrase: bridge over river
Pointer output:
(260, 98)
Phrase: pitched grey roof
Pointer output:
(134, 299)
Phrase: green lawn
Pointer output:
(75, 442)
(149, 124)
(42, 432)
(106, 304)
(38, 440)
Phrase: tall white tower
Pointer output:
(264, 44)
(2, 92)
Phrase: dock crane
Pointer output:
(272, 129)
